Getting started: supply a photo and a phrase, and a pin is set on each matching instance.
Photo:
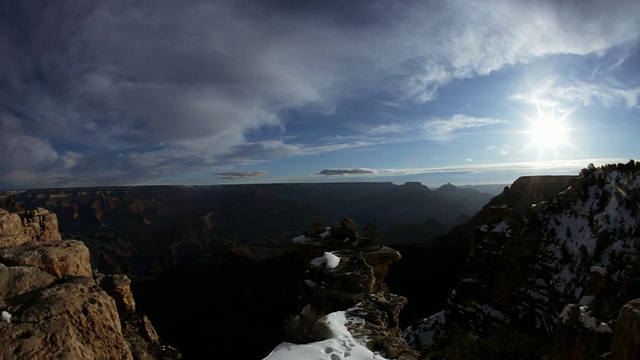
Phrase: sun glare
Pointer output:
(548, 132)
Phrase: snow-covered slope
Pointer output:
(341, 345)
(533, 264)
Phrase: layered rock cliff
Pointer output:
(55, 307)
(556, 266)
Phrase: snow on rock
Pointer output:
(599, 269)
(590, 322)
(423, 333)
(340, 346)
(302, 239)
(327, 232)
(328, 259)
(502, 227)
(6, 316)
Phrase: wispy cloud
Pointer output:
(539, 167)
(351, 171)
(443, 129)
(239, 175)
(566, 94)
(532, 167)
(479, 38)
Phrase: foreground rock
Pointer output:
(345, 280)
(626, 342)
(53, 308)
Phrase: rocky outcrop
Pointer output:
(18, 228)
(346, 273)
(74, 319)
(54, 308)
(118, 286)
(556, 261)
(60, 258)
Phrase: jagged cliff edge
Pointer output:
(55, 306)
(563, 267)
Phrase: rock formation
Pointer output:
(32, 225)
(554, 264)
(346, 273)
(54, 308)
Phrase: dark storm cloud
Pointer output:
(136, 91)
(238, 175)
(353, 171)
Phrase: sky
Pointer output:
(101, 92)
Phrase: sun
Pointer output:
(548, 131)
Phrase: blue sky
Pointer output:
(209, 92)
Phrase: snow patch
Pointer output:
(6, 316)
(341, 345)
(328, 259)
(599, 269)
(590, 322)
(327, 232)
(302, 239)
(425, 330)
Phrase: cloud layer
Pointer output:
(237, 175)
(99, 92)
(354, 171)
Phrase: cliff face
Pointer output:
(53, 307)
(558, 266)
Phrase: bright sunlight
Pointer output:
(548, 132)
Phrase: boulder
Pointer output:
(118, 286)
(347, 230)
(71, 320)
(59, 258)
(626, 340)
(19, 280)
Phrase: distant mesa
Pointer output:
(413, 185)
(448, 187)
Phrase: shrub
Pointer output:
(304, 329)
